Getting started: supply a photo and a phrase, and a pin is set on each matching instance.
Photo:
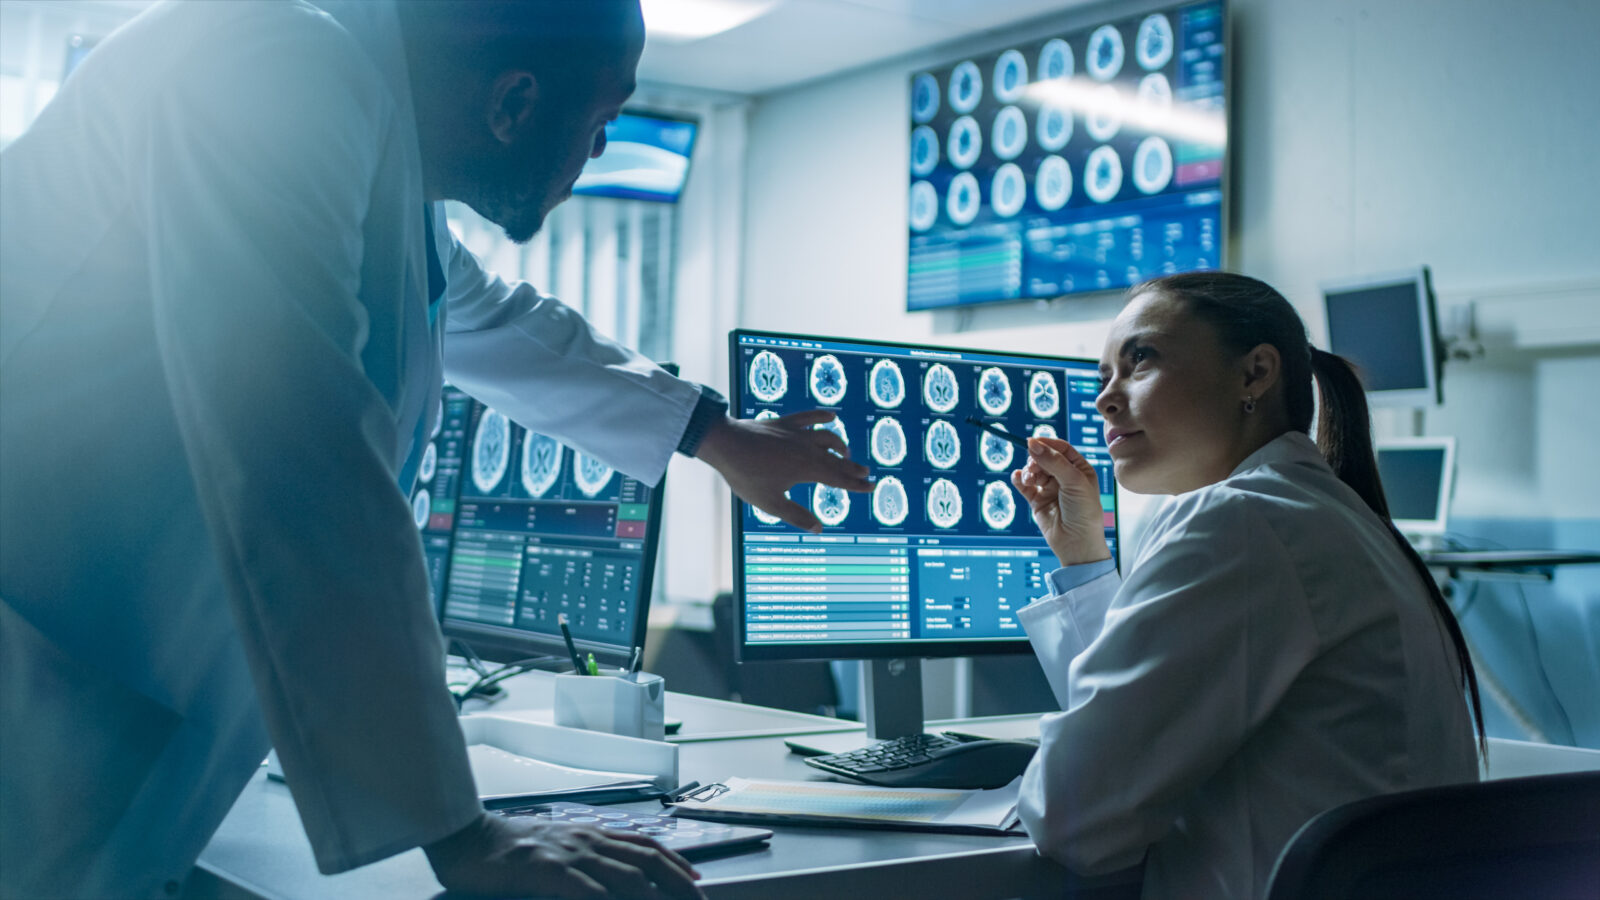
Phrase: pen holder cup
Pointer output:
(614, 701)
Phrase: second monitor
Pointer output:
(936, 561)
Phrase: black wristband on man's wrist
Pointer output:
(710, 408)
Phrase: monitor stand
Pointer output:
(892, 708)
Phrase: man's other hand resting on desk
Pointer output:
(501, 857)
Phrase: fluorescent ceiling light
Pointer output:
(681, 21)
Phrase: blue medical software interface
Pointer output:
(944, 548)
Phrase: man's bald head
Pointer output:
(512, 96)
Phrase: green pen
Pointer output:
(593, 668)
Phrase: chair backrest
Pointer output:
(1517, 837)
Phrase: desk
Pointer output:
(1539, 563)
(261, 851)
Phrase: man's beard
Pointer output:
(514, 200)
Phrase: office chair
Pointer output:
(1533, 837)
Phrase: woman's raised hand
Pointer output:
(1064, 491)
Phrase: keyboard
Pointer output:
(933, 761)
(884, 756)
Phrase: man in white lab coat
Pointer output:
(227, 302)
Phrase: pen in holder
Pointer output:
(614, 701)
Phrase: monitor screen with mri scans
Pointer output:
(1085, 160)
(939, 557)
(543, 529)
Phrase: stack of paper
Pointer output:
(829, 803)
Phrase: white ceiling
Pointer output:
(796, 41)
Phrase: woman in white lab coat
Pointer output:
(1276, 647)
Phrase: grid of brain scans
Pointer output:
(943, 511)
(1079, 162)
(433, 499)
(542, 529)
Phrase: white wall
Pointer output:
(1368, 136)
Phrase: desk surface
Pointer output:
(1508, 559)
(261, 851)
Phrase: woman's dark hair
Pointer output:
(1246, 313)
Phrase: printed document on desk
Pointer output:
(513, 757)
(503, 775)
(829, 803)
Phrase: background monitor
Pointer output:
(540, 530)
(1387, 326)
(1418, 477)
(937, 560)
(1085, 160)
(433, 499)
(646, 158)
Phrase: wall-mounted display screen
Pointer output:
(1082, 161)
(646, 158)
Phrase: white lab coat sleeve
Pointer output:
(255, 188)
(1196, 647)
(537, 360)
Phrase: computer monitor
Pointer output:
(1418, 476)
(542, 529)
(937, 560)
(1387, 326)
(433, 499)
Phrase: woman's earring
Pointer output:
(1249, 404)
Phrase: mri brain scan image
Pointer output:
(924, 151)
(766, 414)
(1153, 46)
(1155, 91)
(827, 379)
(1009, 191)
(942, 444)
(591, 474)
(1105, 53)
(765, 517)
(1102, 175)
(1055, 60)
(1052, 184)
(886, 385)
(999, 507)
(1044, 431)
(966, 87)
(944, 504)
(541, 463)
(1053, 128)
(429, 466)
(995, 452)
(769, 380)
(965, 142)
(837, 427)
(421, 506)
(1044, 398)
(831, 504)
(939, 388)
(924, 206)
(888, 442)
(1009, 136)
(1010, 76)
(994, 391)
(889, 501)
(1152, 165)
(1104, 119)
(962, 204)
(491, 451)
(924, 98)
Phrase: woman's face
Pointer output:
(1172, 397)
